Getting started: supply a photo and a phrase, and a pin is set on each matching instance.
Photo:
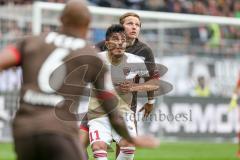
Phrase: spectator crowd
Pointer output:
(228, 8)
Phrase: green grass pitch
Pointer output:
(166, 151)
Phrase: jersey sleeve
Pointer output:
(146, 69)
(150, 62)
(142, 69)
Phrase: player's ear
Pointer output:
(107, 44)
(110, 45)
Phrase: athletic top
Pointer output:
(130, 66)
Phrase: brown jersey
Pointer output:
(56, 69)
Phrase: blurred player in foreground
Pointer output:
(44, 128)
(124, 67)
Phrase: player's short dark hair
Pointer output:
(122, 17)
(114, 28)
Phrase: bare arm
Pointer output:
(150, 85)
(129, 86)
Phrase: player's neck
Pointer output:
(113, 59)
(78, 33)
(130, 42)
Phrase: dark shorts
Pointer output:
(47, 147)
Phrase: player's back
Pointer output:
(55, 67)
(46, 55)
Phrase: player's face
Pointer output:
(132, 27)
(117, 44)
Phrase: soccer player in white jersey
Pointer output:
(124, 67)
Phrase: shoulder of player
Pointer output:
(144, 46)
(133, 58)
(102, 53)
(103, 56)
(30, 39)
(36, 37)
(141, 43)
(27, 42)
(142, 49)
(85, 47)
(88, 50)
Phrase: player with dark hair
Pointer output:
(124, 67)
(54, 76)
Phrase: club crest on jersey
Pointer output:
(126, 71)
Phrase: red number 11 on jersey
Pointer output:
(94, 136)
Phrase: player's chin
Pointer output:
(119, 54)
(132, 36)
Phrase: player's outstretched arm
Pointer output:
(129, 86)
(150, 85)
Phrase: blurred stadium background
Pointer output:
(198, 41)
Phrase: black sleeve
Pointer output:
(149, 60)
(151, 66)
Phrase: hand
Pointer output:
(146, 141)
(147, 109)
